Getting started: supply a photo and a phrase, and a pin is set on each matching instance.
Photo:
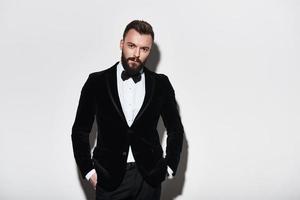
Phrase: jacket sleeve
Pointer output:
(82, 126)
(173, 124)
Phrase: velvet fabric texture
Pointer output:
(99, 99)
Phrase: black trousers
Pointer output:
(133, 187)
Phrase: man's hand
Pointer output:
(93, 180)
(169, 173)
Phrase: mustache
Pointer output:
(135, 59)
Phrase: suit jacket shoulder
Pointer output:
(101, 74)
(165, 82)
(98, 78)
(158, 76)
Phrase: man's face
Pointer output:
(135, 50)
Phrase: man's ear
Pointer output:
(121, 44)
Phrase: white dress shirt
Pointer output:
(131, 97)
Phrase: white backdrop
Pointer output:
(234, 66)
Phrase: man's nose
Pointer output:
(137, 52)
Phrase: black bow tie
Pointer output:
(136, 77)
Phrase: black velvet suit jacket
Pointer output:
(99, 98)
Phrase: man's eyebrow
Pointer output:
(130, 43)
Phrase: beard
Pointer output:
(136, 66)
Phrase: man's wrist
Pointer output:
(90, 174)
(170, 172)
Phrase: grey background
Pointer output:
(234, 66)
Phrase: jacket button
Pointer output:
(124, 153)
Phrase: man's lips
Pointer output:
(137, 60)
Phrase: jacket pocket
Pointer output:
(102, 173)
(159, 171)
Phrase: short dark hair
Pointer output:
(142, 27)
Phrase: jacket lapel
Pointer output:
(112, 87)
(149, 87)
(111, 82)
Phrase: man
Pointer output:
(127, 100)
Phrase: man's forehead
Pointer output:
(132, 34)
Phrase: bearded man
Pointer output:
(126, 100)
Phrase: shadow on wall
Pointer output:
(170, 188)
(154, 58)
(89, 192)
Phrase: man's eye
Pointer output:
(145, 49)
(130, 45)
